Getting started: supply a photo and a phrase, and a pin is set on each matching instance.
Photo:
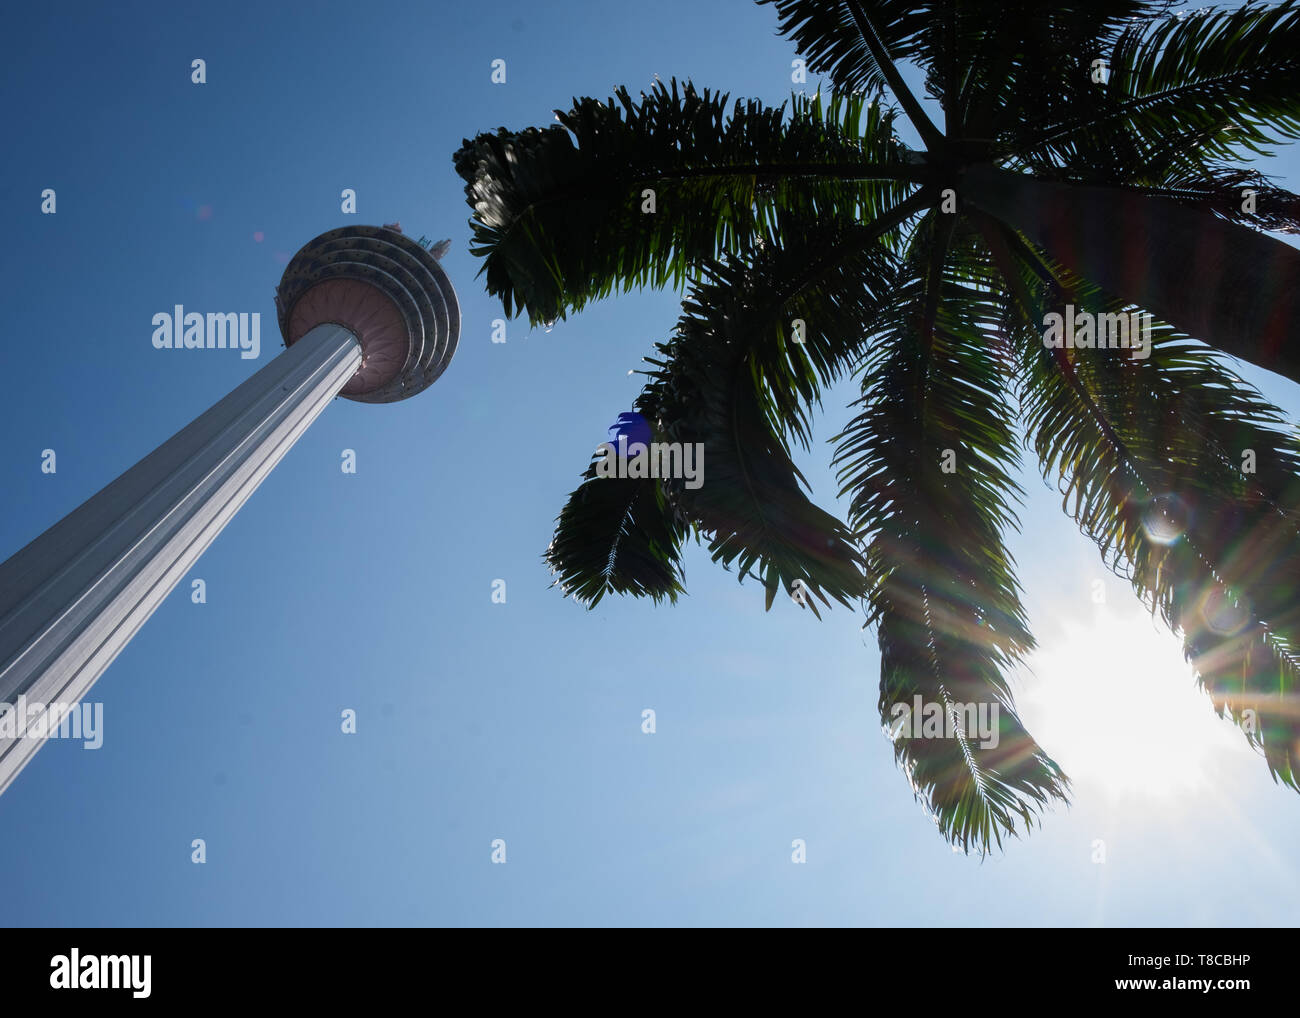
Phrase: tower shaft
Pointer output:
(72, 598)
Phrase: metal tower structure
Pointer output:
(366, 313)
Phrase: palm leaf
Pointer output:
(1189, 87)
(618, 535)
(942, 592)
(736, 379)
(558, 213)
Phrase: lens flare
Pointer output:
(1224, 614)
(1164, 520)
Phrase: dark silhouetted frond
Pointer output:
(943, 594)
(617, 535)
(560, 215)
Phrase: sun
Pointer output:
(1113, 702)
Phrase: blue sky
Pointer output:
(477, 720)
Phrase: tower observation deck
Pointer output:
(386, 289)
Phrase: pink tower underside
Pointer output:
(370, 315)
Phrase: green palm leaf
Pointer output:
(618, 535)
(1190, 87)
(942, 592)
(558, 214)
(737, 379)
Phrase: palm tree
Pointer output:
(813, 244)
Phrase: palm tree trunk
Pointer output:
(1227, 285)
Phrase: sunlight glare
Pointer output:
(1115, 705)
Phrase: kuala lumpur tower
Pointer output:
(366, 313)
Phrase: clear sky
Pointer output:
(476, 720)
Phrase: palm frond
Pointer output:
(943, 594)
(979, 58)
(1188, 87)
(618, 535)
(737, 379)
(829, 37)
(1222, 190)
(559, 214)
